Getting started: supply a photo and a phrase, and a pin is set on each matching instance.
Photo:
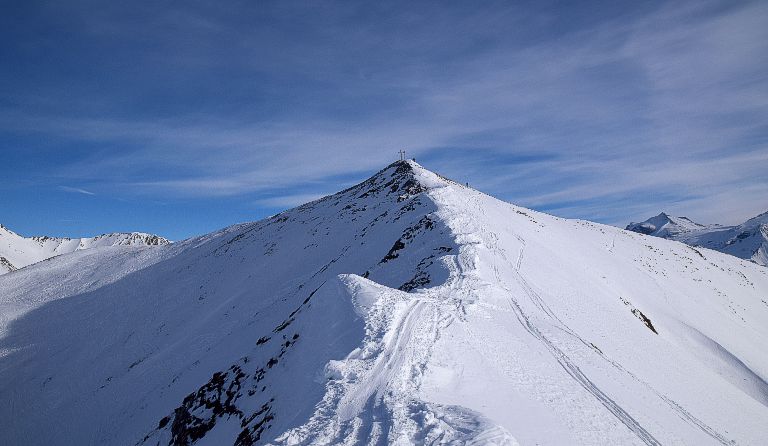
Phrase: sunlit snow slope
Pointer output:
(17, 251)
(405, 310)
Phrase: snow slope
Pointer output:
(748, 240)
(408, 309)
(17, 251)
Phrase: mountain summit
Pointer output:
(407, 309)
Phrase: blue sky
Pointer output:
(179, 118)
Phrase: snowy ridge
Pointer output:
(748, 240)
(405, 310)
(17, 251)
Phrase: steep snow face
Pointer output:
(17, 251)
(748, 240)
(405, 310)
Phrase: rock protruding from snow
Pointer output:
(17, 251)
(748, 240)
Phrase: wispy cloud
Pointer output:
(649, 109)
(76, 190)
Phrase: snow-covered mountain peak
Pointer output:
(17, 251)
(407, 309)
(756, 221)
(402, 178)
(748, 240)
(664, 225)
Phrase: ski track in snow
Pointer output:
(567, 364)
(564, 360)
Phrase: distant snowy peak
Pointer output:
(667, 226)
(755, 222)
(748, 240)
(17, 251)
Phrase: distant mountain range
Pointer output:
(748, 240)
(17, 251)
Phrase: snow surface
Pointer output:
(408, 309)
(17, 252)
(748, 240)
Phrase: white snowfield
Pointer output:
(748, 240)
(406, 310)
(17, 252)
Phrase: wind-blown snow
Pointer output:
(406, 310)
